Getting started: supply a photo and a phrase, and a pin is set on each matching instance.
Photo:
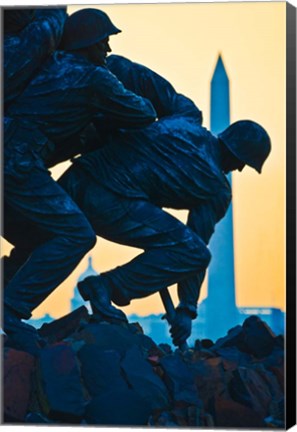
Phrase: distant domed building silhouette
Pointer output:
(77, 299)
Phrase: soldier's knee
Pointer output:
(201, 253)
(90, 239)
(207, 256)
(87, 238)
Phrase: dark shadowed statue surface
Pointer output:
(175, 163)
(68, 91)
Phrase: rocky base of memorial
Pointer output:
(99, 373)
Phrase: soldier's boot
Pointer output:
(20, 335)
(93, 290)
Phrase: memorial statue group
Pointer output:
(136, 147)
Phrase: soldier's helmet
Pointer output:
(248, 141)
(86, 27)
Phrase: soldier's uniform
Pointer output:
(30, 36)
(123, 186)
(56, 105)
(174, 162)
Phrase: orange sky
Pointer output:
(182, 42)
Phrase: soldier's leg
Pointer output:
(12, 263)
(41, 200)
(172, 250)
(23, 235)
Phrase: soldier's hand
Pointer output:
(181, 327)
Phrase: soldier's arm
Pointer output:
(202, 221)
(147, 83)
(49, 24)
(26, 52)
(121, 107)
(166, 100)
